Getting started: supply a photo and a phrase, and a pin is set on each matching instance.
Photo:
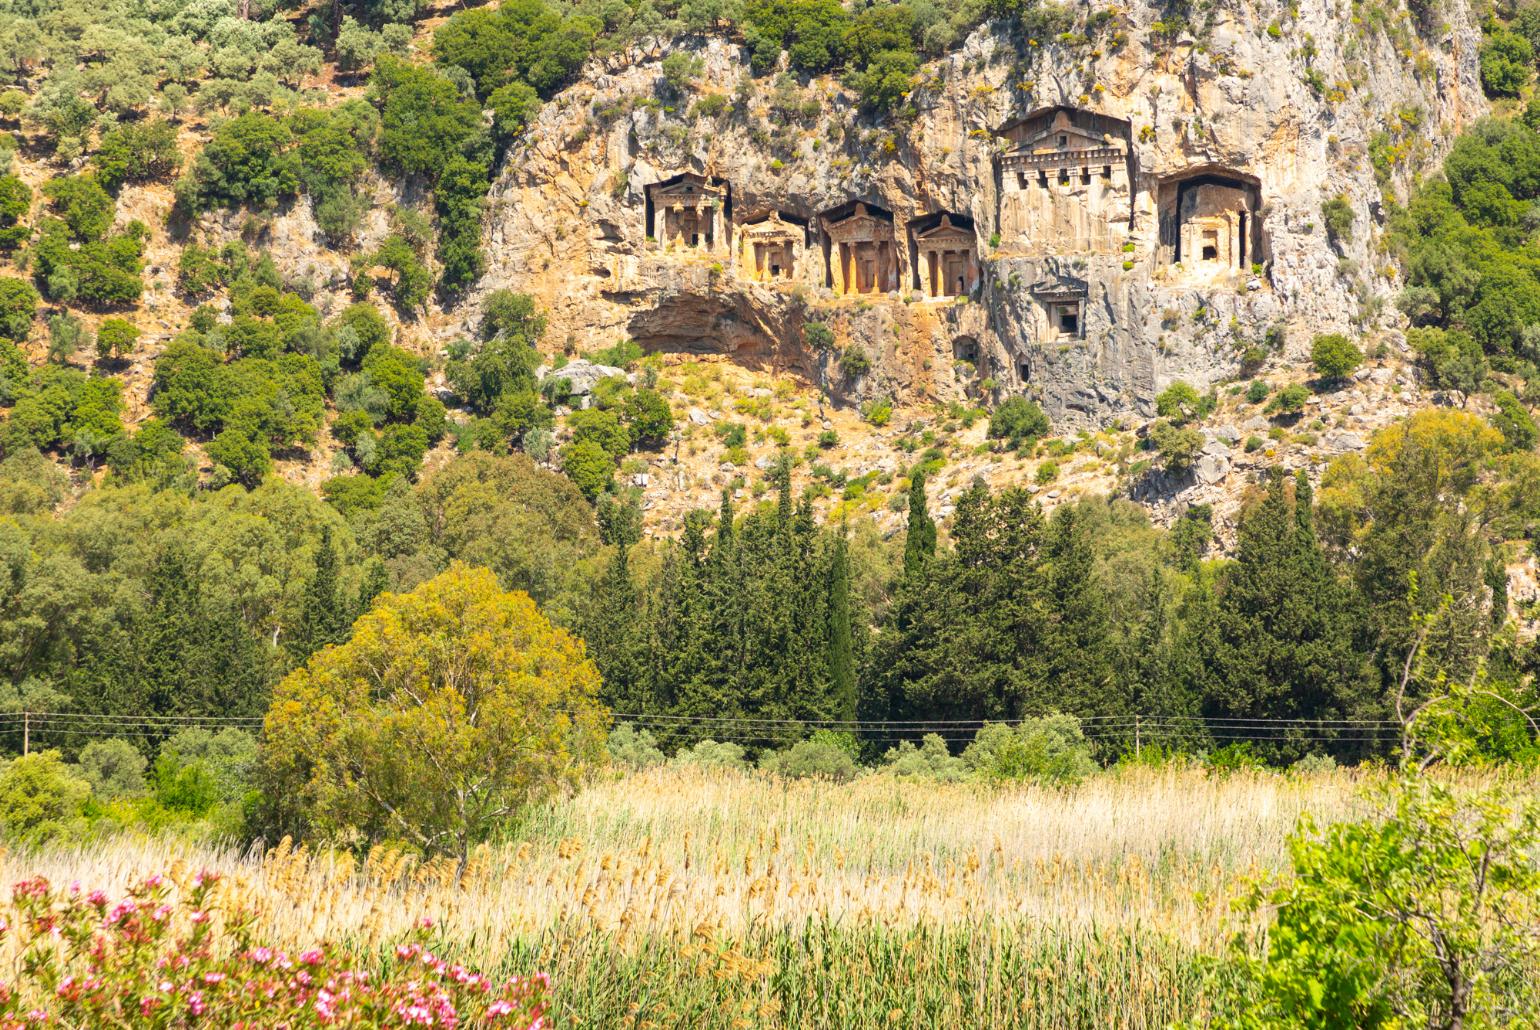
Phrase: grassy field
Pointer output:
(681, 897)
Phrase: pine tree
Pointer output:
(920, 543)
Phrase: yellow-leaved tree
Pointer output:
(449, 708)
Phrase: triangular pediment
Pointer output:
(945, 232)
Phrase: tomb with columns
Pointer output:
(1210, 221)
(690, 212)
(771, 247)
(862, 255)
(946, 256)
(1066, 180)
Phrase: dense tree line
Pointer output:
(150, 595)
(1092, 611)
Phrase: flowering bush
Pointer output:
(163, 957)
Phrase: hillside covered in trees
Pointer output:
(220, 442)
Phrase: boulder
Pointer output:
(1211, 468)
(583, 375)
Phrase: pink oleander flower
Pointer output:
(195, 1003)
(311, 957)
(199, 917)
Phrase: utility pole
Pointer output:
(26, 733)
(1137, 720)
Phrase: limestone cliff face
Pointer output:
(1186, 226)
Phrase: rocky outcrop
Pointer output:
(1291, 107)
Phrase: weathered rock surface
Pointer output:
(568, 219)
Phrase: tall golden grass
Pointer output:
(763, 902)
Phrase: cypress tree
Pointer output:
(1078, 638)
(323, 617)
(376, 582)
(1283, 640)
(920, 542)
(842, 666)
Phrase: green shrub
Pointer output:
(411, 280)
(1290, 400)
(1452, 358)
(877, 412)
(710, 754)
(81, 203)
(248, 161)
(15, 203)
(136, 152)
(1337, 214)
(1178, 446)
(649, 418)
(40, 798)
(1258, 391)
(1334, 356)
(18, 308)
(97, 272)
(931, 760)
(824, 756)
(1507, 63)
(1051, 748)
(589, 466)
(854, 363)
(633, 748)
(360, 328)
(245, 459)
(1406, 917)
(114, 768)
(1178, 403)
(817, 335)
(1513, 420)
(603, 428)
(116, 337)
(1019, 420)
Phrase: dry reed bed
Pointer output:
(681, 852)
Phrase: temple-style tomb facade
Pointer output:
(691, 212)
(1210, 221)
(771, 247)
(947, 263)
(862, 255)
(1065, 182)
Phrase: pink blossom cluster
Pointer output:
(160, 958)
